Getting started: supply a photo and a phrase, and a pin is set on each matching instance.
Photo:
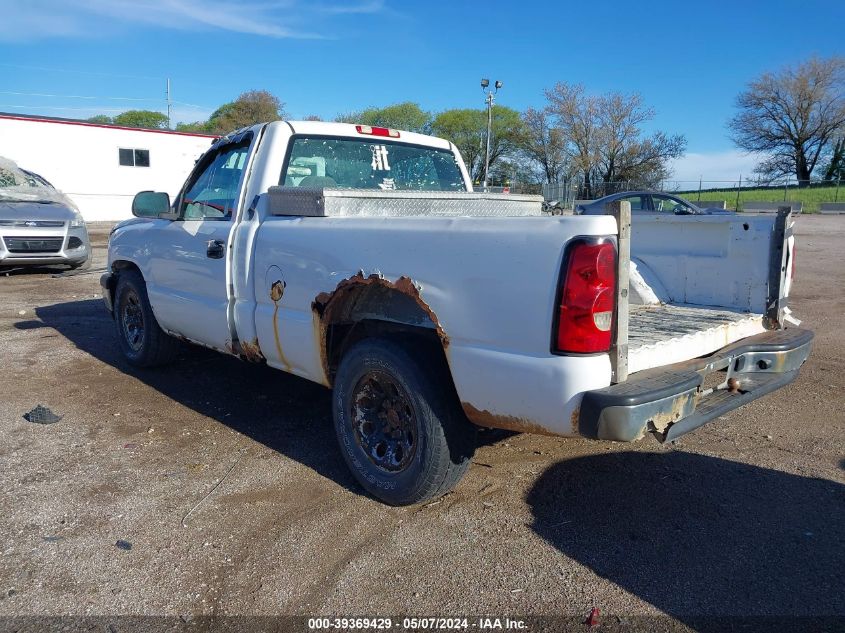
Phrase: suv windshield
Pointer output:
(17, 185)
(370, 164)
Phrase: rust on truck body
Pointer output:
(277, 291)
(329, 307)
(250, 351)
(483, 417)
(682, 406)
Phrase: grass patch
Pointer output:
(811, 196)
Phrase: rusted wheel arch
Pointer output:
(361, 307)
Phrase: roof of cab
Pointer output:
(349, 129)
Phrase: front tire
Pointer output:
(142, 341)
(399, 426)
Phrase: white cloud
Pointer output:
(43, 19)
(714, 167)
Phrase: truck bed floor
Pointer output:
(671, 333)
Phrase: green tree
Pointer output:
(399, 116)
(517, 169)
(201, 127)
(835, 169)
(467, 129)
(254, 106)
(141, 118)
(101, 119)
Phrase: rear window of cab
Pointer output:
(370, 164)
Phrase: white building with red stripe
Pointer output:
(101, 167)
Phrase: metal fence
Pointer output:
(734, 193)
(565, 193)
(521, 187)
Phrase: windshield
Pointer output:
(370, 164)
(17, 185)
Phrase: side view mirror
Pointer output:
(150, 204)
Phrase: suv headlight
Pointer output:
(77, 220)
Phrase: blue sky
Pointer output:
(323, 57)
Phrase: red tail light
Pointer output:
(376, 131)
(585, 320)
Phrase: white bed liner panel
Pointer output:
(706, 260)
(670, 333)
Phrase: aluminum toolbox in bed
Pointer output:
(324, 202)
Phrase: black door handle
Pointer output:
(215, 249)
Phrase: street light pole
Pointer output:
(485, 85)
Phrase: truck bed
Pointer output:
(670, 333)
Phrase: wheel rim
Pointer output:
(132, 320)
(384, 422)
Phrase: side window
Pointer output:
(133, 157)
(637, 203)
(213, 192)
(665, 204)
(142, 158)
(126, 157)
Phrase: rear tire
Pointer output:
(399, 425)
(142, 341)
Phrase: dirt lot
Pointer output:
(743, 517)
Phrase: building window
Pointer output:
(134, 157)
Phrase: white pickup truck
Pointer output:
(360, 258)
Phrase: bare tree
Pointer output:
(792, 116)
(604, 139)
(576, 114)
(544, 144)
(619, 120)
(625, 154)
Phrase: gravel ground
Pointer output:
(742, 517)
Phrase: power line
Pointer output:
(79, 72)
(193, 105)
(44, 94)
(147, 99)
(29, 107)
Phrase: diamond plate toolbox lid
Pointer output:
(323, 202)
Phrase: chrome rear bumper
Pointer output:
(670, 401)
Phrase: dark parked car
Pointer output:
(647, 202)
(39, 225)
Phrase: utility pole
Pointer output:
(485, 85)
(169, 105)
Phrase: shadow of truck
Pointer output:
(703, 539)
(285, 413)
